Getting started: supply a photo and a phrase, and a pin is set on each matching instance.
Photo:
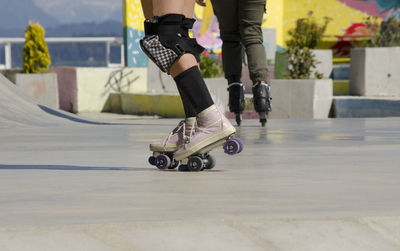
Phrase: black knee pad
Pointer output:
(167, 39)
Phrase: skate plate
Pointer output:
(200, 160)
(203, 160)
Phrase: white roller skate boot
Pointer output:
(212, 127)
(177, 138)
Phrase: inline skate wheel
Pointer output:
(263, 118)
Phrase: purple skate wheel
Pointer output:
(241, 145)
(231, 147)
(163, 161)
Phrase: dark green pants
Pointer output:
(240, 26)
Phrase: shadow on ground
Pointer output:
(71, 168)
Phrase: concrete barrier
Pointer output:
(88, 89)
(301, 98)
(163, 104)
(375, 72)
(324, 62)
(67, 88)
(41, 86)
(364, 107)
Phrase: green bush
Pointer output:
(300, 63)
(36, 56)
(307, 33)
(304, 37)
(209, 67)
(387, 34)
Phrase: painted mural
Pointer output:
(382, 8)
(348, 22)
(133, 31)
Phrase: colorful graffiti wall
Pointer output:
(347, 15)
(133, 31)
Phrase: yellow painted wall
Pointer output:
(282, 15)
(133, 14)
(274, 18)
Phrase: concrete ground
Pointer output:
(68, 183)
(298, 185)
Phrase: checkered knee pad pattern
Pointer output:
(160, 55)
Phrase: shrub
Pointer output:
(307, 32)
(300, 63)
(304, 37)
(36, 56)
(387, 34)
(210, 67)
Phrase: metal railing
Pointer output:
(109, 41)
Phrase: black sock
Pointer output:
(193, 89)
(187, 105)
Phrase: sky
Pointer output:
(75, 11)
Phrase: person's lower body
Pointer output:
(240, 26)
(169, 46)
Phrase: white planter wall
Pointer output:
(293, 98)
(325, 62)
(375, 72)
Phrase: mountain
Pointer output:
(78, 11)
(18, 13)
(65, 18)
(109, 28)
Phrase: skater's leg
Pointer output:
(227, 13)
(186, 8)
(251, 14)
(167, 30)
(177, 137)
(147, 7)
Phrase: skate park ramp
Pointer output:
(17, 109)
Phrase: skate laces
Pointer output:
(187, 138)
(177, 129)
(181, 128)
(208, 129)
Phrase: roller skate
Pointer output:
(262, 101)
(163, 150)
(236, 100)
(213, 130)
